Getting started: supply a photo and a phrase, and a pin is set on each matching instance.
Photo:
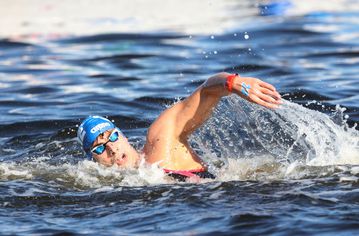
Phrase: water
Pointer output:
(292, 171)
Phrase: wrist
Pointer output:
(230, 82)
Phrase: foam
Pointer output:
(13, 171)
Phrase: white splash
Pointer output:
(256, 143)
(241, 141)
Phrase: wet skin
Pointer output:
(119, 152)
(167, 138)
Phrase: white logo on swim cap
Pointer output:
(99, 127)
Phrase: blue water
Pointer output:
(294, 171)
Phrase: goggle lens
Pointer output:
(99, 149)
(114, 136)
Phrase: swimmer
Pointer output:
(167, 137)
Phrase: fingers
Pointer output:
(273, 94)
(266, 85)
(259, 92)
(267, 98)
(264, 103)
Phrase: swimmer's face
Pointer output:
(118, 152)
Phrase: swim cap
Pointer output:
(90, 129)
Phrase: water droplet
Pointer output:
(215, 52)
(212, 37)
(246, 36)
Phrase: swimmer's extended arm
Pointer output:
(167, 137)
(195, 109)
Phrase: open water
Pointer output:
(292, 171)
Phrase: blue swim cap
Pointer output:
(90, 129)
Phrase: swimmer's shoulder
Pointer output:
(160, 136)
(164, 125)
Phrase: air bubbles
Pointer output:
(246, 36)
(212, 36)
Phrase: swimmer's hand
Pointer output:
(257, 91)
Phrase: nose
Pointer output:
(111, 148)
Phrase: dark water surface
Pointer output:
(294, 171)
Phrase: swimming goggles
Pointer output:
(99, 149)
